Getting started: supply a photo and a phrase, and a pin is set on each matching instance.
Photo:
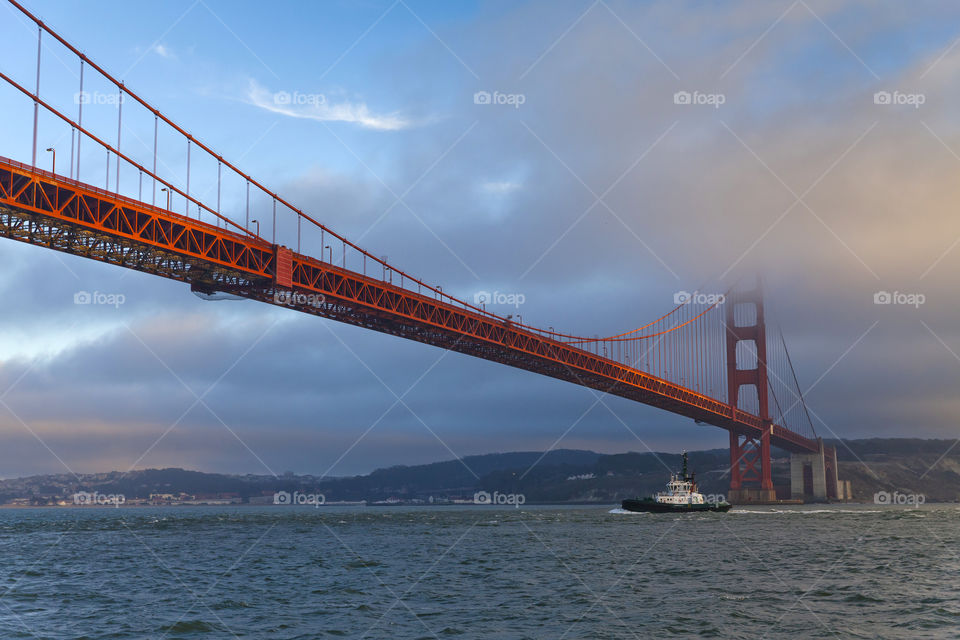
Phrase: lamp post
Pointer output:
(54, 152)
(168, 197)
(329, 255)
(257, 222)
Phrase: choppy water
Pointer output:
(479, 572)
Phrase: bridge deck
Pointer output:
(40, 208)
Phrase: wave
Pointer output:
(805, 511)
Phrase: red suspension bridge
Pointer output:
(711, 362)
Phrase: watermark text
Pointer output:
(98, 297)
(497, 498)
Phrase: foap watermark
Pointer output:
(497, 498)
(285, 98)
(299, 299)
(98, 97)
(499, 297)
(897, 498)
(899, 98)
(714, 498)
(699, 98)
(98, 297)
(899, 298)
(298, 498)
(86, 498)
(698, 297)
(512, 99)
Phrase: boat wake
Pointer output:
(620, 511)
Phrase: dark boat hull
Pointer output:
(652, 506)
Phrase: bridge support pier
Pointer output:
(813, 476)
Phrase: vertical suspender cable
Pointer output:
(219, 169)
(156, 123)
(187, 203)
(81, 98)
(699, 370)
(119, 129)
(36, 105)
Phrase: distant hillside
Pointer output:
(907, 465)
(904, 465)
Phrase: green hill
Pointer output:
(928, 467)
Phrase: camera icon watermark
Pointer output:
(698, 297)
(511, 99)
(497, 498)
(899, 298)
(99, 298)
(698, 98)
(897, 498)
(285, 98)
(85, 498)
(299, 299)
(97, 97)
(499, 298)
(298, 498)
(898, 98)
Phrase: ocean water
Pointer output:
(479, 572)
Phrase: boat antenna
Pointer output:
(684, 464)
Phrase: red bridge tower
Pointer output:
(750, 477)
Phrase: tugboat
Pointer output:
(680, 497)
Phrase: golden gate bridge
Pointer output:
(712, 362)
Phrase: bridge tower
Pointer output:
(750, 474)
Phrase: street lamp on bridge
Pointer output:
(257, 222)
(54, 152)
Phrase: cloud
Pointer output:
(315, 107)
(500, 187)
(163, 51)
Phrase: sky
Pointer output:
(819, 147)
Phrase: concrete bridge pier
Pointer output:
(813, 476)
